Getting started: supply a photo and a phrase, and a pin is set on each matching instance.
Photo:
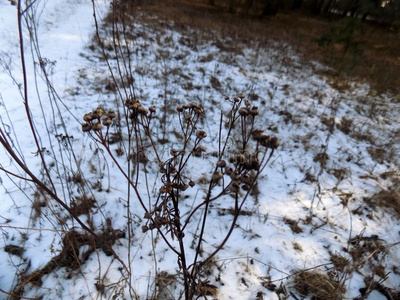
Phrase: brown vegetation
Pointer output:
(318, 285)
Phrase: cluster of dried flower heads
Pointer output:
(234, 173)
(136, 109)
(96, 119)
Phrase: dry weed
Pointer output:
(320, 286)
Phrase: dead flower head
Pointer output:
(86, 127)
(217, 176)
(97, 126)
(201, 134)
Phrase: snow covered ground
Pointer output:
(326, 201)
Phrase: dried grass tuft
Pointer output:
(318, 285)
(389, 199)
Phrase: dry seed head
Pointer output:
(247, 103)
(245, 179)
(86, 127)
(217, 176)
(107, 122)
(172, 169)
(241, 96)
(243, 112)
(241, 158)
(221, 164)
(135, 105)
(169, 187)
(88, 117)
(226, 98)
(274, 142)
(264, 140)
(264, 143)
(246, 187)
(257, 133)
(254, 162)
(254, 111)
(236, 99)
(143, 111)
(128, 102)
(228, 171)
(95, 114)
(234, 187)
(152, 109)
(201, 134)
(145, 228)
(179, 109)
(254, 157)
(255, 165)
(235, 176)
(97, 126)
(248, 166)
(132, 115)
(192, 183)
(100, 112)
(199, 110)
(111, 114)
(201, 148)
(265, 137)
(173, 152)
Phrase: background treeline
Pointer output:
(384, 11)
(381, 11)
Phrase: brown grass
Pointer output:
(294, 226)
(318, 285)
(14, 250)
(365, 249)
(389, 199)
(339, 262)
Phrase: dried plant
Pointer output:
(233, 170)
